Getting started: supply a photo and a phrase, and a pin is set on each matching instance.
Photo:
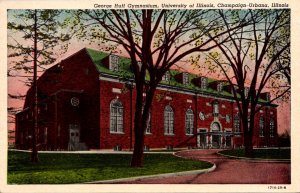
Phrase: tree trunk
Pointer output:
(140, 124)
(248, 137)
(34, 154)
(248, 145)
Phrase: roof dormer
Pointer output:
(114, 62)
(217, 85)
(201, 82)
(166, 77)
(265, 96)
(183, 78)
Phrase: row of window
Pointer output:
(237, 128)
(116, 120)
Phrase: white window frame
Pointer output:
(216, 108)
(189, 122)
(116, 117)
(185, 78)
(168, 120)
(237, 123)
(203, 83)
(166, 76)
(114, 62)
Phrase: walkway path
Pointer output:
(228, 171)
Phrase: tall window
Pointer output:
(189, 122)
(272, 127)
(236, 123)
(148, 128)
(185, 78)
(116, 117)
(204, 83)
(215, 109)
(261, 126)
(169, 120)
(114, 62)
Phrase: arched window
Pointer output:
(116, 117)
(169, 120)
(189, 122)
(272, 127)
(261, 126)
(236, 123)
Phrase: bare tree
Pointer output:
(256, 58)
(155, 40)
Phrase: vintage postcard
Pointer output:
(152, 96)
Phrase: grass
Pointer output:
(261, 153)
(57, 168)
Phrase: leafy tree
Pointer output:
(33, 37)
(255, 58)
(155, 40)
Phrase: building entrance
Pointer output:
(74, 137)
(228, 141)
(201, 138)
(215, 141)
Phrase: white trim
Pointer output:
(169, 134)
(116, 90)
(118, 132)
(169, 89)
(168, 98)
(228, 129)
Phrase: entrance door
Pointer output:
(201, 138)
(215, 141)
(228, 141)
(74, 137)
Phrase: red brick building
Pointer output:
(87, 102)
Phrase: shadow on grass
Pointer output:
(77, 168)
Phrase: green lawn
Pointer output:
(261, 153)
(57, 168)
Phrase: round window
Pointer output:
(215, 126)
(74, 101)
